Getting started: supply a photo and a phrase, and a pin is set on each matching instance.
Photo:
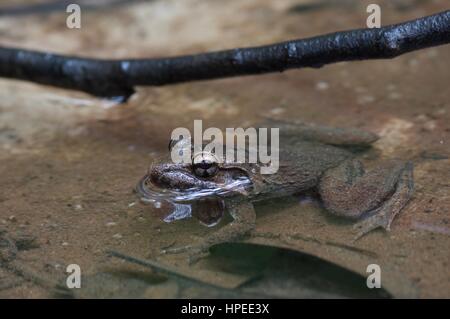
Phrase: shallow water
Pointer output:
(183, 202)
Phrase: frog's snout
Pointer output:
(174, 177)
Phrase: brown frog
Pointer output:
(311, 158)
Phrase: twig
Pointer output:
(31, 275)
(116, 78)
(158, 268)
(8, 261)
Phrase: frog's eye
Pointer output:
(205, 164)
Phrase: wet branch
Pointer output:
(116, 78)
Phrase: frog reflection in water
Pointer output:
(312, 158)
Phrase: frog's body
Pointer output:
(300, 168)
(310, 158)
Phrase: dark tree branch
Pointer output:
(116, 78)
(60, 6)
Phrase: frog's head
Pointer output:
(205, 171)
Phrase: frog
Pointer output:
(324, 160)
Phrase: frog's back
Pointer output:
(300, 167)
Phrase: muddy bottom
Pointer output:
(69, 162)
